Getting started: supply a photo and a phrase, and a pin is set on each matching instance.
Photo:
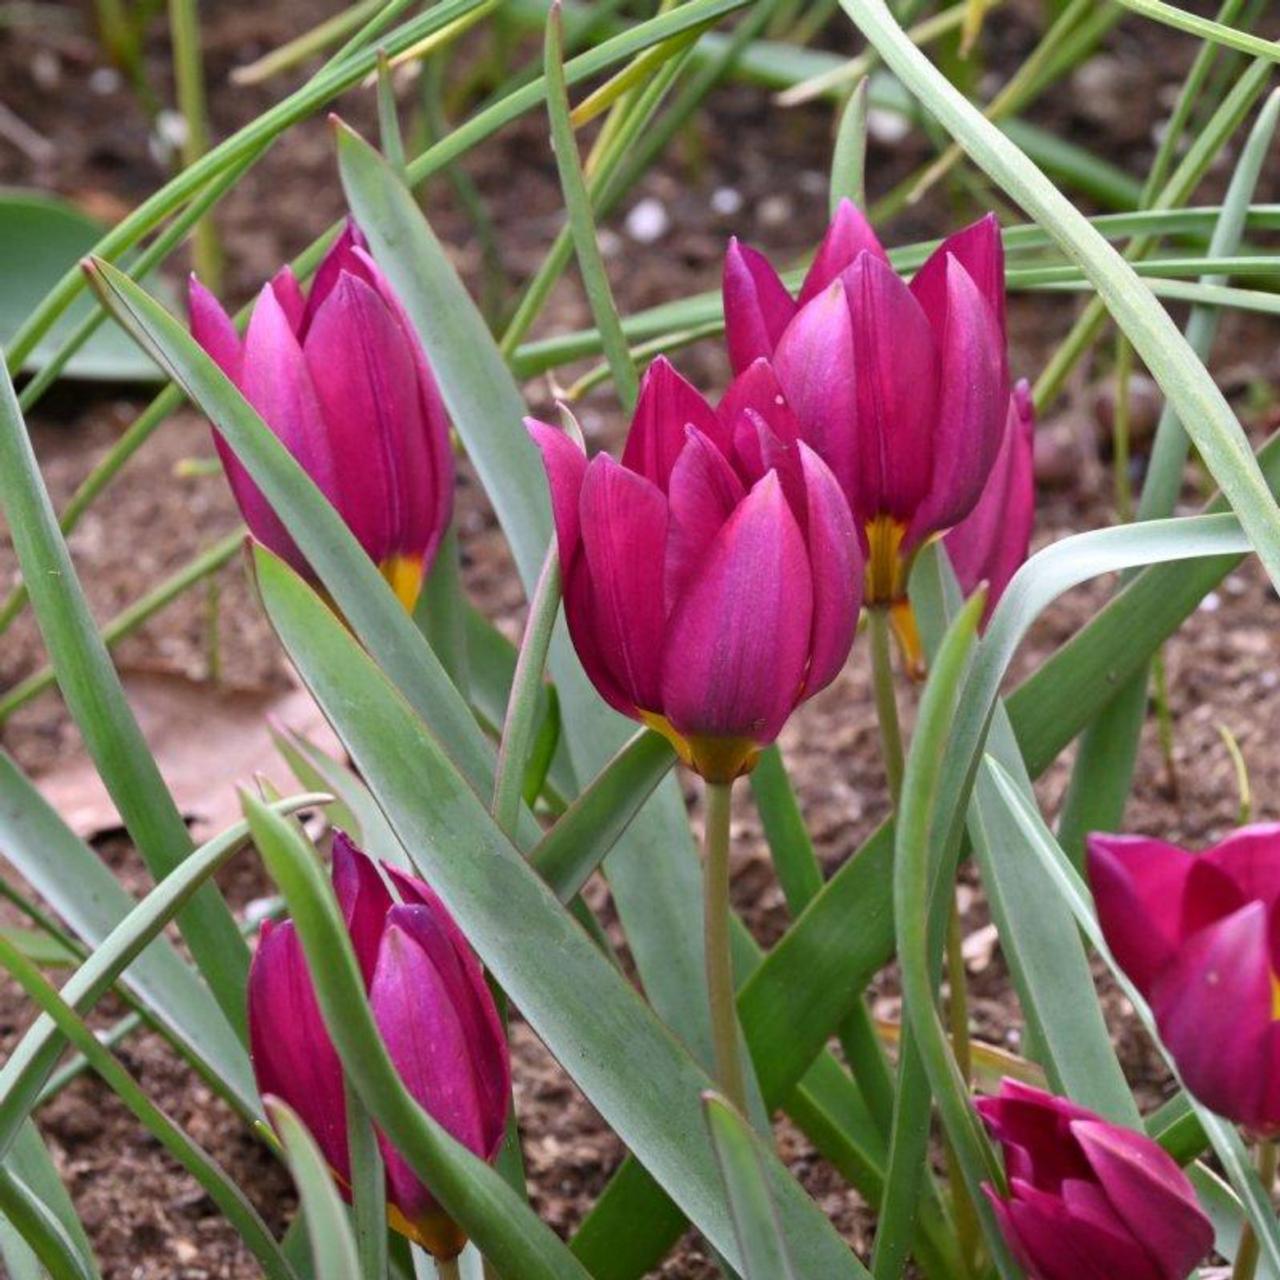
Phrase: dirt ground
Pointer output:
(745, 169)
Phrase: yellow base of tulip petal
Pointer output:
(437, 1233)
(404, 574)
(1275, 996)
(715, 759)
(902, 620)
(887, 571)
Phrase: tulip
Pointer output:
(711, 578)
(436, 1015)
(1089, 1200)
(991, 542)
(341, 378)
(901, 389)
(1199, 936)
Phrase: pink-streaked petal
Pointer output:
(1008, 1228)
(1210, 895)
(739, 638)
(757, 389)
(848, 235)
(1251, 857)
(972, 409)
(897, 366)
(979, 248)
(836, 565)
(1138, 887)
(367, 385)
(1213, 1007)
(211, 327)
(703, 493)
(1150, 1194)
(666, 405)
(624, 536)
(1034, 1129)
(284, 284)
(363, 898)
(757, 306)
(566, 467)
(427, 1042)
(293, 1057)
(581, 607)
(339, 257)
(991, 543)
(757, 450)
(815, 366)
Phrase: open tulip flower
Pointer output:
(991, 542)
(712, 577)
(435, 1013)
(341, 378)
(901, 389)
(1090, 1200)
(1199, 935)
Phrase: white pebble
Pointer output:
(610, 242)
(105, 80)
(887, 127)
(1211, 603)
(648, 221)
(726, 201)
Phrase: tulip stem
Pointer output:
(1247, 1254)
(886, 700)
(724, 1017)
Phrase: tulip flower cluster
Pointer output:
(1089, 1200)
(435, 1013)
(1199, 935)
(341, 378)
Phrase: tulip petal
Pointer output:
(363, 898)
(739, 638)
(1213, 1007)
(703, 493)
(1251, 857)
(897, 400)
(284, 284)
(211, 327)
(1150, 1194)
(293, 1057)
(1034, 1128)
(848, 235)
(413, 1006)
(666, 405)
(972, 408)
(338, 258)
(757, 306)
(1138, 889)
(814, 364)
(757, 390)
(836, 563)
(566, 467)
(624, 535)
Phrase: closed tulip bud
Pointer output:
(712, 577)
(437, 1019)
(1089, 1200)
(1199, 936)
(901, 389)
(991, 542)
(341, 378)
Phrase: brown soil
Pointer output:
(147, 1219)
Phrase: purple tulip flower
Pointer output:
(1199, 935)
(712, 578)
(1089, 1200)
(341, 378)
(901, 389)
(991, 542)
(436, 1016)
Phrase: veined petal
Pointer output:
(211, 327)
(293, 1057)
(739, 638)
(566, 467)
(972, 408)
(363, 898)
(897, 368)
(1251, 857)
(757, 389)
(757, 450)
(1138, 889)
(815, 365)
(836, 565)
(848, 235)
(666, 405)
(1034, 1128)
(284, 284)
(757, 306)
(339, 257)
(703, 493)
(624, 537)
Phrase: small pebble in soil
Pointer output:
(726, 201)
(1211, 603)
(887, 127)
(105, 80)
(648, 221)
(774, 211)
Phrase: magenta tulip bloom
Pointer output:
(342, 379)
(711, 579)
(436, 1016)
(901, 389)
(1199, 936)
(1089, 1200)
(991, 542)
